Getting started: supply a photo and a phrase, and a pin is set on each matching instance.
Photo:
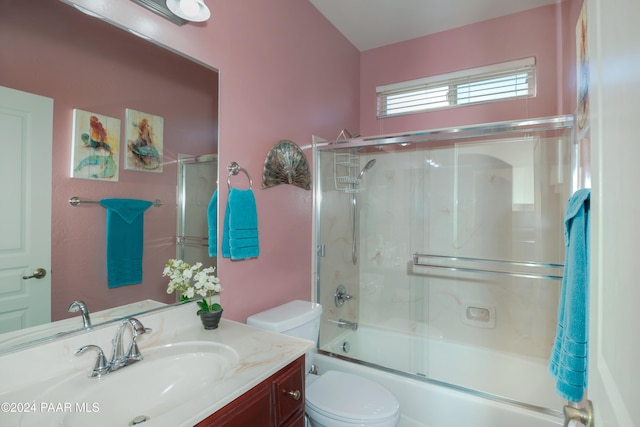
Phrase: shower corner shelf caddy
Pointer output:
(345, 171)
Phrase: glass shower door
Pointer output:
(459, 256)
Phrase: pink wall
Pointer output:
(534, 33)
(88, 64)
(285, 73)
(567, 82)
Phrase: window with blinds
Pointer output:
(509, 80)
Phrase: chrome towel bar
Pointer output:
(437, 263)
(75, 201)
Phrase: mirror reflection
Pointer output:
(69, 61)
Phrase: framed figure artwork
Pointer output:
(144, 135)
(95, 146)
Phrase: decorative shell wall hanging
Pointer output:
(286, 164)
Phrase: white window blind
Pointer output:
(514, 79)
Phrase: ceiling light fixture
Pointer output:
(191, 10)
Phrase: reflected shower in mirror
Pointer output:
(81, 62)
(197, 181)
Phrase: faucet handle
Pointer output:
(134, 354)
(138, 327)
(101, 367)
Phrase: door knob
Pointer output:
(583, 415)
(38, 273)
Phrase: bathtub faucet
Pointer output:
(345, 324)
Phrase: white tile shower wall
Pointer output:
(390, 298)
(463, 206)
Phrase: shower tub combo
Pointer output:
(439, 264)
(437, 403)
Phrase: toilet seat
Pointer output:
(351, 399)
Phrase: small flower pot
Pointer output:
(210, 320)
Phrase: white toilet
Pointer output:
(333, 399)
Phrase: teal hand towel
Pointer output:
(125, 240)
(240, 239)
(212, 221)
(569, 357)
(224, 246)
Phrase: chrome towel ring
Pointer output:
(234, 168)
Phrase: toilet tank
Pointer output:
(300, 319)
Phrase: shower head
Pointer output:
(366, 167)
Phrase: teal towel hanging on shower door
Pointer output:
(569, 357)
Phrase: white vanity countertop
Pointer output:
(27, 374)
(11, 340)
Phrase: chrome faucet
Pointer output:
(345, 324)
(80, 306)
(119, 359)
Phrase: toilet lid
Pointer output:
(348, 396)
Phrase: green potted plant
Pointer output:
(191, 280)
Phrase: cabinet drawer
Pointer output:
(288, 392)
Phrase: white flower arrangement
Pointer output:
(192, 280)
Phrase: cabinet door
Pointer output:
(288, 392)
(277, 401)
(295, 421)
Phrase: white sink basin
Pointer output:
(169, 377)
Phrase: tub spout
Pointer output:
(345, 324)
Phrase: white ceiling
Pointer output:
(373, 23)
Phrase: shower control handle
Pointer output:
(341, 296)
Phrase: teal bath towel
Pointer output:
(212, 221)
(569, 357)
(240, 234)
(125, 240)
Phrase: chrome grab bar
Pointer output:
(194, 241)
(526, 274)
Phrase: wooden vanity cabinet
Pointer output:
(278, 401)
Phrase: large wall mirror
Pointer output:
(51, 49)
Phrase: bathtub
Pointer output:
(437, 401)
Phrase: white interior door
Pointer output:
(614, 368)
(26, 127)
